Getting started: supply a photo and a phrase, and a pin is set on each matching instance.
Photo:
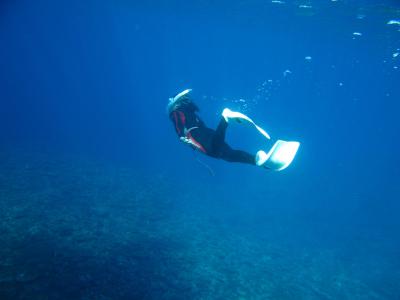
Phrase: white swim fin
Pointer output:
(279, 157)
(229, 114)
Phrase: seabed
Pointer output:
(77, 229)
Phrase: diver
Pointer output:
(192, 131)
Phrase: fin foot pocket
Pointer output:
(279, 157)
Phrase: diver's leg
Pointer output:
(240, 156)
(222, 150)
(218, 138)
(219, 135)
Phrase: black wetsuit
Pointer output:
(211, 142)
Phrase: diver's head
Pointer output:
(181, 100)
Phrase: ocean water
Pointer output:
(100, 200)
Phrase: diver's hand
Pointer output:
(185, 140)
(188, 141)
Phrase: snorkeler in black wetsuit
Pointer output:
(192, 130)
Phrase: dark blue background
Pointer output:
(93, 78)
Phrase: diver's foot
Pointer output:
(279, 157)
(261, 158)
(227, 114)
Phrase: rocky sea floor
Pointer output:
(72, 229)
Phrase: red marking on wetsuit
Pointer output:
(183, 118)
(189, 136)
(176, 124)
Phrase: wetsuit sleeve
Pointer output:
(178, 119)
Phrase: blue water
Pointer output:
(100, 200)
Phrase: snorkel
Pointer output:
(173, 102)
